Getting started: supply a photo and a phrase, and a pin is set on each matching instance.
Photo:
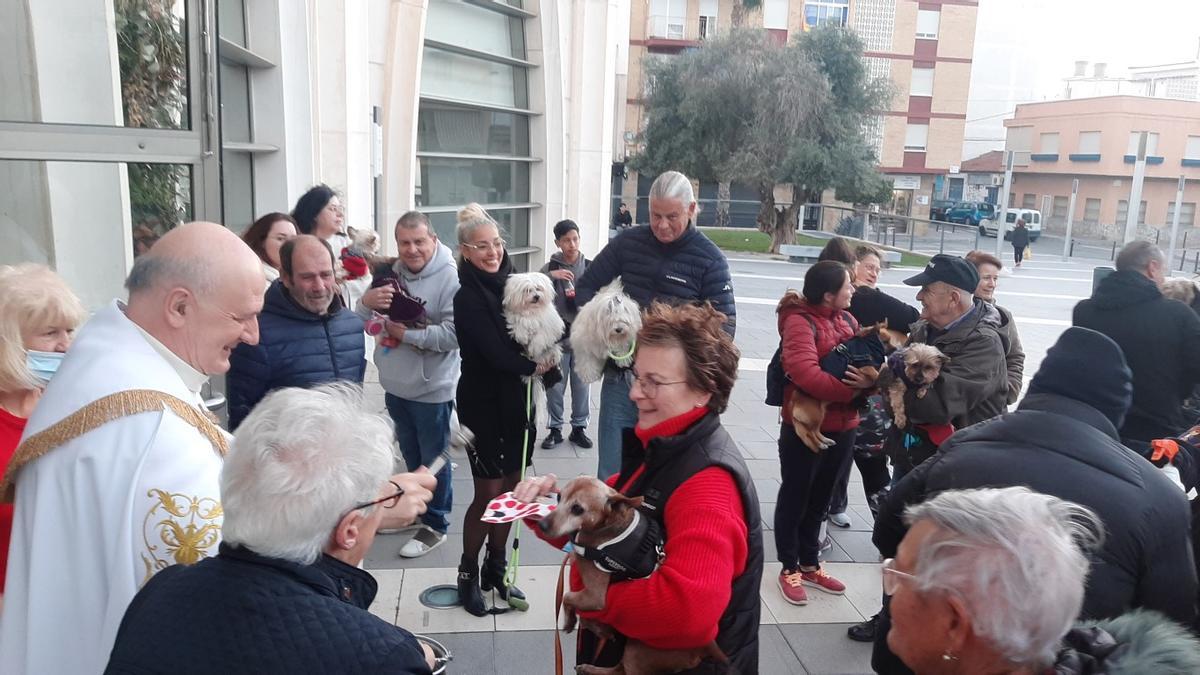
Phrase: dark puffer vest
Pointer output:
(669, 462)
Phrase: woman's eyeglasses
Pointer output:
(388, 502)
(650, 386)
(486, 246)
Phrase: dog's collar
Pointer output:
(632, 554)
(621, 357)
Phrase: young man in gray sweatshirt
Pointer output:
(565, 267)
(420, 374)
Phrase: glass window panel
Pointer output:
(775, 14)
(445, 128)
(235, 103)
(450, 75)
(53, 71)
(160, 197)
(922, 82)
(514, 225)
(1049, 144)
(1193, 148)
(916, 136)
(40, 199)
(231, 20)
(1091, 211)
(475, 27)
(1089, 143)
(1028, 201)
(927, 23)
(448, 182)
(237, 189)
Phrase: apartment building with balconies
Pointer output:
(923, 47)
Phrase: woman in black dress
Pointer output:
(491, 403)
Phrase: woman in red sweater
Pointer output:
(38, 318)
(811, 325)
(696, 485)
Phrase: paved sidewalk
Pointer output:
(810, 639)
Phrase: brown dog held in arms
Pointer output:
(808, 414)
(593, 513)
(922, 366)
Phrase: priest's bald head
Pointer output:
(198, 291)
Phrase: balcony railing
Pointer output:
(664, 26)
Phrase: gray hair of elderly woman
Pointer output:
(1017, 559)
(299, 462)
(673, 185)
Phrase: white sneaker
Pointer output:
(425, 540)
(840, 519)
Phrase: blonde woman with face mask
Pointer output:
(38, 318)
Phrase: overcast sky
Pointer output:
(1024, 49)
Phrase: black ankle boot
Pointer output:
(469, 593)
(492, 577)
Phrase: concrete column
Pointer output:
(401, 88)
(342, 101)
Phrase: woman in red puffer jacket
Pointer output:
(812, 324)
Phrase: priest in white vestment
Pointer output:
(117, 473)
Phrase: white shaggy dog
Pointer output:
(535, 324)
(531, 317)
(605, 328)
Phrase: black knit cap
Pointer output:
(950, 269)
(1088, 367)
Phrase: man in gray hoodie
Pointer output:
(419, 375)
(565, 268)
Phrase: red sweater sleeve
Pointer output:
(705, 550)
(802, 364)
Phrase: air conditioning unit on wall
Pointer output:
(997, 181)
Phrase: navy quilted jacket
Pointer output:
(240, 612)
(296, 348)
(690, 268)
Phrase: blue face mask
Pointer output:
(43, 365)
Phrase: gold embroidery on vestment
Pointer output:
(100, 412)
(179, 529)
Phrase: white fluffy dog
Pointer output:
(535, 324)
(605, 328)
(531, 317)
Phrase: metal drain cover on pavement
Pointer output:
(444, 596)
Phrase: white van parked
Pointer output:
(1032, 218)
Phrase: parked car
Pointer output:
(939, 207)
(1032, 218)
(970, 213)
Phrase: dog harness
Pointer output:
(633, 554)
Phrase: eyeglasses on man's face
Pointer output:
(892, 576)
(486, 246)
(388, 501)
(650, 385)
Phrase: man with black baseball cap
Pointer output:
(973, 385)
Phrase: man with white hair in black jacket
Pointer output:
(304, 488)
(669, 260)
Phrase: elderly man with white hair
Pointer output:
(116, 474)
(972, 386)
(992, 580)
(669, 260)
(305, 487)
